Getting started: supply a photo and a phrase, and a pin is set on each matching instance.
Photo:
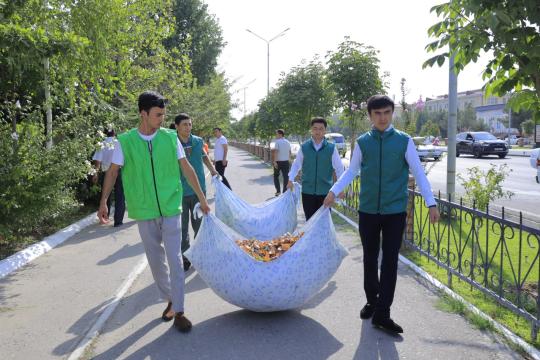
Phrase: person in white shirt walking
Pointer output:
(318, 159)
(384, 156)
(281, 154)
(102, 161)
(220, 154)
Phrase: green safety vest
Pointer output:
(151, 175)
(384, 172)
(317, 169)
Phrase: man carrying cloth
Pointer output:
(384, 157)
(196, 155)
(150, 157)
(318, 159)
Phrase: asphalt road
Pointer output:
(521, 180)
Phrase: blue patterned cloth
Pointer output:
(285, 283)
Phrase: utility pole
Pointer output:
(268, 54)
(48, 105)
(452, 130)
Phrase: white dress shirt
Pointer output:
(297, 164)
(415, 167)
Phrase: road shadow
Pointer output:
(376, 344)
(237, 335)
(126, 251)
(196, 283)
(96, 231)
(322, 295)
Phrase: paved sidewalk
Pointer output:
(328, 327)
(48, 306)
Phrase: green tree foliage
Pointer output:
(467, 120)
(430, 128)
(508, 30)
(102, 54)
(484, 187)
(353, 70)
(528, 127)
(198, 34)
(302, 94)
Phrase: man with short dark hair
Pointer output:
(196, 155)
(318, 159)
(220, 154)
(150, 157)
(384, 156)
(281, 154)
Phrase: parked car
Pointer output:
(339, 140)
(425, 150)
(480, 143)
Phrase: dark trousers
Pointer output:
(119, 199)
(188, 203)
(283, 167)
(381, 292)
(221, 171)
(311, 204)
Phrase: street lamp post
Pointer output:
(244, 89)
(268, 54)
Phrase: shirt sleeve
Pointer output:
(179, 150)
(348, 176)
(224, 141)
(118, 154)
(98, 155)
(297, 164)
(411, 155)
(337, 164)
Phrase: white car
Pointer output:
(429, 151)
(339, 140)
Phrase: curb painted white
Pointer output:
(533, 352)
(23, 257)
(109, 309)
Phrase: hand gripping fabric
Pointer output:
(281, 284)
(263, 221)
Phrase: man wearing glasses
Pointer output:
(196, 155)
(150, 157)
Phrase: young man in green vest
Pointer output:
(318, 160)
(196, 155)
(151, 159)
(384, 156)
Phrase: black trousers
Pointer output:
(311, 204)
(283, 167)
(221, 171)
(380, 292)
(119, 198)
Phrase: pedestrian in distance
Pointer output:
(194, 149)
(152, 158)
(221, 150)
(102, 162)
(384, 156)
(281, 153)
(319, 161)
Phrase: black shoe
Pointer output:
(387, 324)
(367, 311)
(277, 193)
(118, 224)
(187, 263)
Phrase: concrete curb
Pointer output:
(510, 336)
(23, 257)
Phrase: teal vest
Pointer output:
(194, 153)
(151, 175)
(317, 169)
(384, 172)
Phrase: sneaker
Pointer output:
(277, 194)
(187, 263)
(182, 323)
(387, 324)
(367, 311)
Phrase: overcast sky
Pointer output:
(396, 28)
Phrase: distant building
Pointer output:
(490, 110)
